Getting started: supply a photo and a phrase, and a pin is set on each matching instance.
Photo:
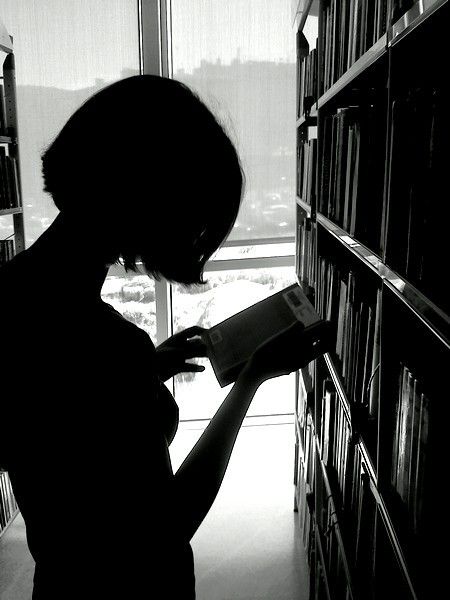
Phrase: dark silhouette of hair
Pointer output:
(148, 162)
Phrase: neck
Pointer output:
(74, 262)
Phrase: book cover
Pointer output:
(329, 399)
(415, 429)
(403, 417)
(421, 459)
(348, 178)
(232, 342)
(374, 388)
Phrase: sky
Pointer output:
(208, 29)
(61, 43)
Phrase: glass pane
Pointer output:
(134, 297)
(64, 52)
(240, 58)
(227, 292)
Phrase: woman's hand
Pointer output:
(171, 355)
(289, 351)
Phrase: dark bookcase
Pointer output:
(372, 215)
(11, 213)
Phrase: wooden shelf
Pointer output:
(304, 205)
(390, 66)
(433, 317)
(11, 211)
(368, 462)
(367, 256)
(362, 64)
(414, 17)
(311, 119)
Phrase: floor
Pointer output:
(246, 549)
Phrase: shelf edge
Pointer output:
(339, 388)
(306, 207)
(413, 18)
(366, 60)
(362, 252)
(436, 320)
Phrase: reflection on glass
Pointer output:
(240, 58)
(227, 292)
(134, 297)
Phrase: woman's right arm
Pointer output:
(198, 480)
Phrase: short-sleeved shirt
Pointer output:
(86, 444)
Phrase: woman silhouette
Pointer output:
(141, 172)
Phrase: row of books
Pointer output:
(356, 508)
(352, 537)
(306, 164)
(349, 30)
(345, 299)
(9, 181)
(337, 443)
(333, 551)
(307, 85)
(343, 461)
(8, 504)
(304, 267)
(351, 178)
(418, 207)
(6, 251)
(409, 450)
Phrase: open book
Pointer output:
(232, 342)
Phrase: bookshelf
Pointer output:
(11, 211)
(371, 236)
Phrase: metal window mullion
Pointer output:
(155, 59)
(165, 24)
(154, 37)
(163, 299)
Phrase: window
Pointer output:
(240, 57)
(133, 296)
(226, 293)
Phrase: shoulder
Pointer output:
(123, 327)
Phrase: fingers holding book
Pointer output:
(290, 350)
